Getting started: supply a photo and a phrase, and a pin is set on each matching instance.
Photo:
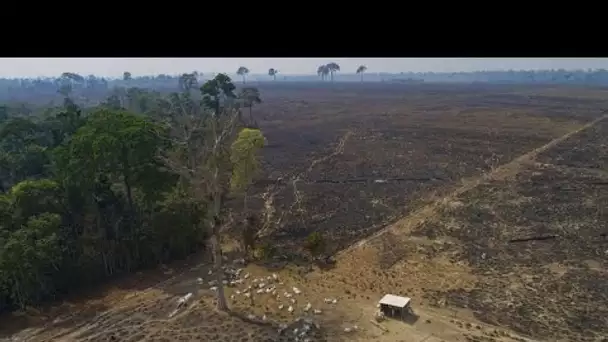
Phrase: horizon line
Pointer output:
(316, 75)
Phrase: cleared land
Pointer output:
(444, 183)
(405, 144)
(538, 242)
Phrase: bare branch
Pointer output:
(272, 190)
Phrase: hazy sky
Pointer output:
(19, 67)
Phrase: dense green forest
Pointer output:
(89, 192)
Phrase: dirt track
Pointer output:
(501, 173)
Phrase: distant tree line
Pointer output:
(90, 90)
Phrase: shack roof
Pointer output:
(396, 301)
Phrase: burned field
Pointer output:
(401, 146)
(537, 243)
(519, 241)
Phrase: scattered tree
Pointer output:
(243, 72)
(361, 70)
(188, 82)
(273, 73)
(218, 93)
(73, 77)
(250, 97)
(332, 68)
(41, 91)
(323, 71)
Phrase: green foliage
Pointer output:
(215, 90)
(35, 197)
(29, 257)
(19, 132)
(64, 124)
(5, 213)
(177, 227)
(187, 82)
(266, 251)
(243, 72)
(243, 156)
(119, 145)
(83, 198)
(315, 244)
(84, 195)
(23, 151)
(3, 113)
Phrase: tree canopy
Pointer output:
(91, 192)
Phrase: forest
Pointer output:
(90, 191)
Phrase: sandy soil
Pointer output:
(144, 315)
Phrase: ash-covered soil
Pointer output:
(404, 143)
(538, 244)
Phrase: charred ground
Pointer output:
(537, 243)
(406, 143)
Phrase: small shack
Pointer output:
(395, 306)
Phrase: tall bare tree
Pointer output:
(361, 70)
(214, 158)
(243, 72)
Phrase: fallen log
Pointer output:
(267, 181)
(534, 238)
